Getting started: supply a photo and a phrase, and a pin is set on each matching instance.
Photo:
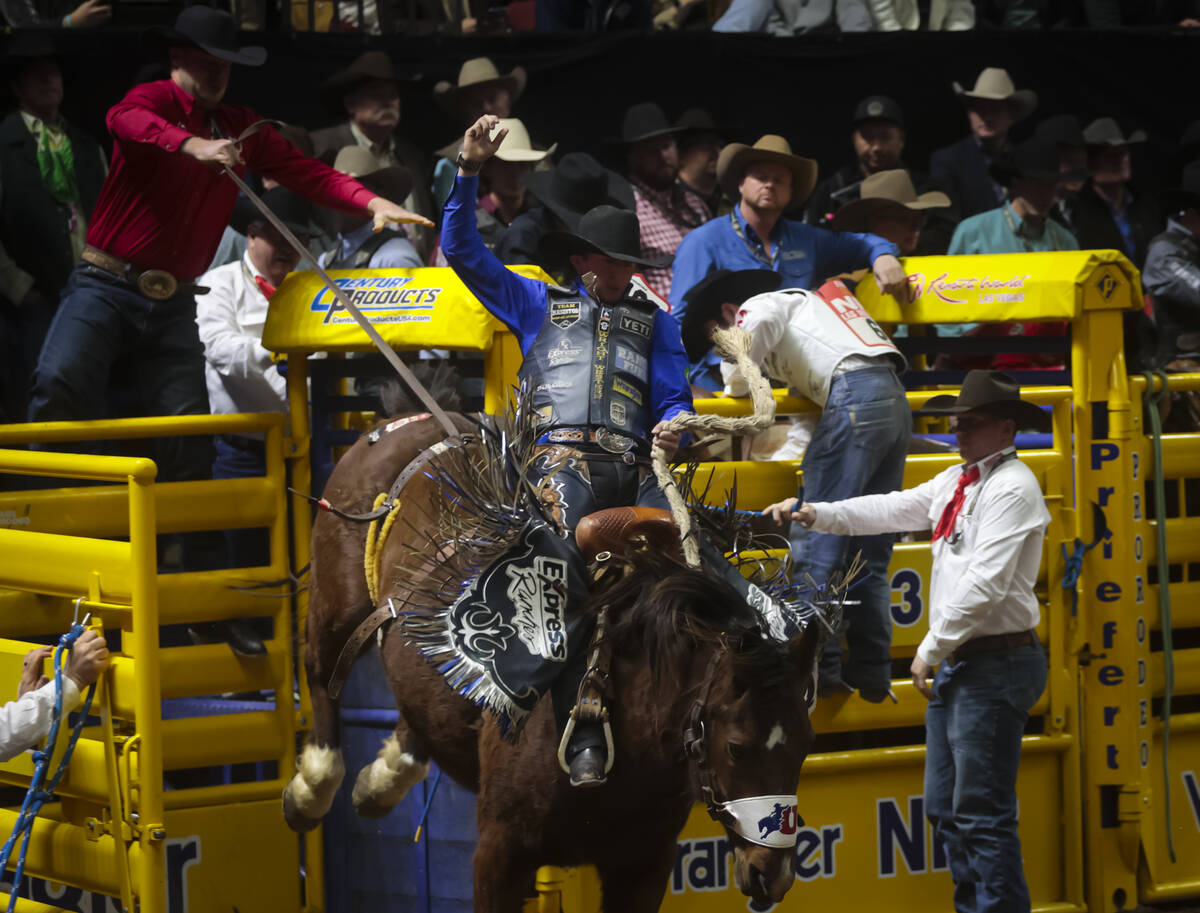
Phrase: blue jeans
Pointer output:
(973, 729)
(247, 547)
(858, 448)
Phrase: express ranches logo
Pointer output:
(382, 299)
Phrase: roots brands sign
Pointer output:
(382, 299)
(991, 290)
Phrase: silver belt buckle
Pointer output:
(613, 442)
(157, 284)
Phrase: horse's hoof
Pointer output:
(297, 821)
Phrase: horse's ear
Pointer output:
(802, 649)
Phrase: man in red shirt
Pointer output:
(155, 227)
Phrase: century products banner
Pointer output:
(410, 308)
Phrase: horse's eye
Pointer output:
(735, 749)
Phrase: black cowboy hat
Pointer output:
(1187, 194)
(577, 184)
(368, 66)
(1036, 159)
(26, 46)
(704, 300)
(289, 207)
(993, 392)
(211, 30)
(602, 230)
(644, 121)
(695, 123)
(1062, 129)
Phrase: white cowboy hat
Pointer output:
(994, 84)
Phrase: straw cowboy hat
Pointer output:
(394, 183)
(477, 71)
(993, 392)
(1105, 131)
(604, 230)
(994, 84)
(369, 66)
(882, 192)
(577, 184)
(704, 300)
(517, 147)
(737, 157)
(211, 30)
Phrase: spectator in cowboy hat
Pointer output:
(157, 222)
(481, 89)
(993, 105)
(767, 179)
(1172, 274)
(665, 210)
(367, 92)
(50, 174)
(358, 245)
(577, 184)
(877, 137)
(1105, 214)
(1067, 134)
(700, 142)
(795, 17)
(890, 207)
(506, 195)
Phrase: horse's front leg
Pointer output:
(502, 876)
(637, 885)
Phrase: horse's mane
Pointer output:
(685, 611)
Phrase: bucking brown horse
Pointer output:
(705, 708)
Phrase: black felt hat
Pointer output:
(211, 30)
(1187, 194)
(1036, 159)
(704, 300)
(644, 121)
(1062, 129)
(603, 230)
(696, 123)
(577, 184)
(289, 207)
(368, 66)
(993, 392)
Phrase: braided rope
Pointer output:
(377, 533)
(734, 345)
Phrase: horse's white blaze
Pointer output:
(318, 776)
(777, 737)
(387, 779)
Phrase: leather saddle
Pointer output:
(614, 529)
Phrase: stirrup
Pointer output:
(589, 701)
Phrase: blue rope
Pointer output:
(40, 789)
(428, 803)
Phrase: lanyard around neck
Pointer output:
(755, 252)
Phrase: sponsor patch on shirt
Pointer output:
(632, 362)
(564, 314)
(633, 325)
(627, 390)
(616, 413)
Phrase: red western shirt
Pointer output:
(162, 209)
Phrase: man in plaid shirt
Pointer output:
(666, 212)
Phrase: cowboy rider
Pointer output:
(608, 371)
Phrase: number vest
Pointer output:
(589, 365)
(823, 328)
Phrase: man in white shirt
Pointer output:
(240, 374)
(989, 519)
(827, 348)
(26, 721)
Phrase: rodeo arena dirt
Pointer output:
(547, 457)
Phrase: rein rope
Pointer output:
(41, 789)
(734, 345)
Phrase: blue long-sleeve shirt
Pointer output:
(521, 303)
(804, 254)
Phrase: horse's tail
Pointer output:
(439, 377)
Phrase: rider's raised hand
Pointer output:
(479, 144)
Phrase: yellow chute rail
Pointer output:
(1091, 787)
